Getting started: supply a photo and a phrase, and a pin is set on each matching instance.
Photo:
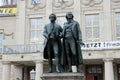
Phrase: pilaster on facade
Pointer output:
(38, 69)
(49, 9)
(20, 29)
(77, 10)
(6, 74)
(12, 72)
(107, 19)
(108, 67)
(108, 59)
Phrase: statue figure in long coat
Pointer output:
(52, 43)
(72, 41)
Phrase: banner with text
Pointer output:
(8, 11)
(115, 45)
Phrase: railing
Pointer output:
(31, 48)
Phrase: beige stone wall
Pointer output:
(80, 8)
(1, 69)
(20, 24)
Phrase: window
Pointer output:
(1, 43)
(8, 2)
(118, 26)
(1, 40)
(36, 1)
(92, 32)
(36, 30)
(61, 20)
(94, 69)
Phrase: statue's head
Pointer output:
(52, 17)
(69, 16)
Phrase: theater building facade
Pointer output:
(21, 40)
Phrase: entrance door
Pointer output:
(90, 77)
(94, 72)
(93, 77)
(118, 71)
(96, 78)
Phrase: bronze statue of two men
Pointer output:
(68, 52)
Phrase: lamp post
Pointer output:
(32, 74)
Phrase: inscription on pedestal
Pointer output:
(62, 76)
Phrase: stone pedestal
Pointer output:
(63, 76)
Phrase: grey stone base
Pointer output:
(62, 76)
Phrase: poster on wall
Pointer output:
(112, 45)
(8, 12)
